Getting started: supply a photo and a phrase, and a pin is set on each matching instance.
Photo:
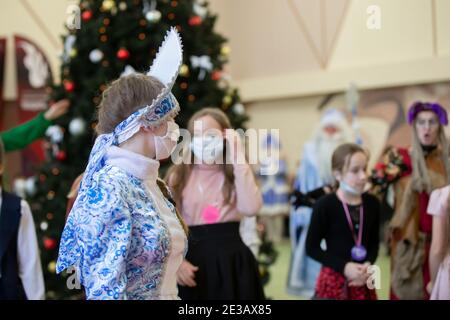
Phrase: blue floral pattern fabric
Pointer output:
(114, 235)
(116, 239)
(167, 106)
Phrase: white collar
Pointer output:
(136, 164)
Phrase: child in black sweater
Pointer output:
(348, 221)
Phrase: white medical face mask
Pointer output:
(164, 145)
(207, 149)
(348, 189)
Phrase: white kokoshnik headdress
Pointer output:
(165, 68)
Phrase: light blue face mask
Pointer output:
(348, 189)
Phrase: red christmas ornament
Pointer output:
(216, 75)
(195, 21)
(86, 15)
(123, 54)
(61, 155)
(49, 243)
(69, 86)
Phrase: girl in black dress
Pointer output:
(348, 221)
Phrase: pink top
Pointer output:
(438, 204)
(203, 201)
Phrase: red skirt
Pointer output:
(333, 285)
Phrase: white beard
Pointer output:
(324, 152)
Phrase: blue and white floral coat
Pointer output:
(124, 238)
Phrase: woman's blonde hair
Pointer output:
(178, 175)
(123, 97)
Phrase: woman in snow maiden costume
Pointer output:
(123, 236)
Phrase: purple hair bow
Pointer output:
(426, 106)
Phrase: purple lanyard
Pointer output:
(361, 221)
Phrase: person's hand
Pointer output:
(357, 283)
(355, 273)
(362, 279)
(237, 152)
(186, 274)
(57, 109)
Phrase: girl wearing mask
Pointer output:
(348, 222)
(123, 236)
(212, 197)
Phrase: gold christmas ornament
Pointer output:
(227, 100)
(73, 53)
(184, 70)
(52, 267)
(107, 5)
(225, 51)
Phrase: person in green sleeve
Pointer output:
(22, 135)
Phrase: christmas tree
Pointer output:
(115, 38)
